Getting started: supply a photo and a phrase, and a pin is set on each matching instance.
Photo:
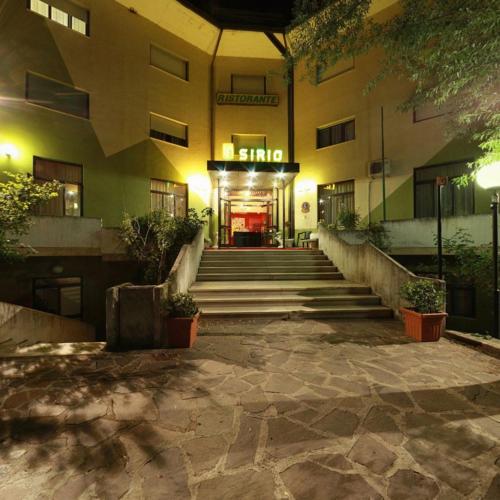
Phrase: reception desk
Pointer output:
(247, 239)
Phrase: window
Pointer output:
(248, 84)
(169, 196)
(460, 300)
(166, 61)
(69, 201)
(335, 134)
(343, 65)
(62, 296)
(248, 141)
(58, 96)
(62, 12)
(165, 129)
(456, 200)
(333, 199)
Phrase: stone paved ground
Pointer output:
(272, 410)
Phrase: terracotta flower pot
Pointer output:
(423, 327)
(182, 332)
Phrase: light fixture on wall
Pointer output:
(9, 151)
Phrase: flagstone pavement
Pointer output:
(256, 410)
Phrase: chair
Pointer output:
(303, 237)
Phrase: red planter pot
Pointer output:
(182, 332)
(423, 327)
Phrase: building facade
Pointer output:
(138, 105)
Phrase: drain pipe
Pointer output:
(212, 97)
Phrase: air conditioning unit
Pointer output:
(375, 168)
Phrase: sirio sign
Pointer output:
(261, 154)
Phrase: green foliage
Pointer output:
(348, 220)
(154, 239)
(449, 50)
(180, 305)
(19, 196)
(377, 235)
(424, 295)
(467, 263)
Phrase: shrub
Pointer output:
(154, 239)
(377, 235)
(349, 220)
(19, 196)
(425, 296)
(180, 305)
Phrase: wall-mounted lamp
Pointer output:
(9, 150)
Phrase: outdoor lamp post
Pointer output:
(488, 177)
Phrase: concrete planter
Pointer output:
(423, 327)
(182, 332)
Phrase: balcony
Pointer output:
(73, 236)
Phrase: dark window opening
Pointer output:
(461, 300)
(57, 96)
(456, 200)
(61, 296)
(335, 134)
(167, 130)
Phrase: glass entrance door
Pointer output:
(224, 222)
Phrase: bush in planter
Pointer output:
(182, 320)
(154, 240)
(424, 322)
(181, 305)
(424, 296)
(348, 220)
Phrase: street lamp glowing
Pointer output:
(488, 177)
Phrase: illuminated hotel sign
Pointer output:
(248, 99)
(250, 154)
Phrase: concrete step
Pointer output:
(266, 268)
(268, 276)
(261, 252)
(277, 298)
(302, 287)
(266, 262)
(296, 311)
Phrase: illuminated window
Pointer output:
(168, 62)
(62, 296)
(335, 134)
(69, 201)
(167, 130)
(63, 12)
(337, 69)
(55, 95)
(169, 196)
(334, 199)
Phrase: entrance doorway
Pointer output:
(254, 203)
(249, 218)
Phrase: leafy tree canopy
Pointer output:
(448, 49)
(19, 196)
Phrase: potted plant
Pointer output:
(182, 320)
(425, 319)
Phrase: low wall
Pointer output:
(133, 312)
(185, 268)
(365, 263)
(22, 324)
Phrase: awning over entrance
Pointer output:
(260, 175)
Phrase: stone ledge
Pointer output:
(489, 346)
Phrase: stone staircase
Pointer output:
(279, 283)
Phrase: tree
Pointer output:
(19, 196)
(448, 49)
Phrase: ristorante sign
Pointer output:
(248, 99)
